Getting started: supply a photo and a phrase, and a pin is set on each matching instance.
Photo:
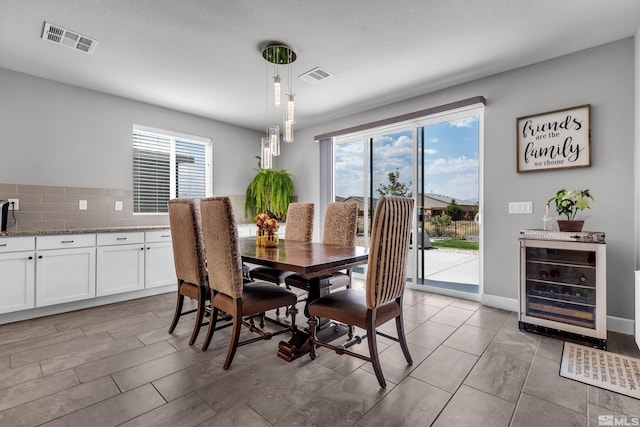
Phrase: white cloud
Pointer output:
(463, 123)
(434, 139)
(459, 164)
(430, 151)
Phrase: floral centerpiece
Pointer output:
(266, 233)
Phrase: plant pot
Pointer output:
(566, 225)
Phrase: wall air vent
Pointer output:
(315, 76)
(58, 35)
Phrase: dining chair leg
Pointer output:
(313, 323)
(403, 339)
(211, 330)
(235, 336)
(178, 312)
(373, 354)
(199, 314)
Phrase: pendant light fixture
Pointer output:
(276, 55)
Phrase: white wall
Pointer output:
(56, 134)
(603, 77)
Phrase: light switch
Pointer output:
(82, 205)
(520, 207)
(118, 205)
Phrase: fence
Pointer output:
(463, 229)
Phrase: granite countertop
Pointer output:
(83, 231)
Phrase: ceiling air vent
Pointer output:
(315, 76)
(58, 35)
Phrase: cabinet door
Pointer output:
(64, 275)
(119, 269)
(17, 273)
(159, 268)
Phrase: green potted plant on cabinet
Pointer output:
(269, 192)
(567, 204)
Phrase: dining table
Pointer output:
(314, 262)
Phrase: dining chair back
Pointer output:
(189, 260)
(299, 227)
(381, 300)
(226, 279)
(340, 222)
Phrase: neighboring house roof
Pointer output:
(432, 200)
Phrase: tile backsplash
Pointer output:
(48, 207)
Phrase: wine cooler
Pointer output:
(563, 283)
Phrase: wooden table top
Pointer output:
(309, 259)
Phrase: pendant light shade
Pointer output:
(279, 55)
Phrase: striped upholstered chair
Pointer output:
(381, 300)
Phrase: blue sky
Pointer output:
(451, 160)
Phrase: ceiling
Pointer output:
(203, 56)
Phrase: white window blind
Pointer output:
(167, 166)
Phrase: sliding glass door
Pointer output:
(436, 161)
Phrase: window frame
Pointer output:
(173, 136)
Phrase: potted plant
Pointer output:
(568, 203)
(270, 192)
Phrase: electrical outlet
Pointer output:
(16, 204)
(118, 205)
(82, 205)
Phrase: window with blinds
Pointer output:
(166, 166)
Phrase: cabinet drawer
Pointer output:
(63, 241)
(159, 236)
(106, 239)
(15, 244)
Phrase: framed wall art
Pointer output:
(554, 140)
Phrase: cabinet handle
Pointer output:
(3, 245)
(121, 238)
(148, 248)
(39, 256)
(166, 235)
(142, 248)
(66, 241)
(30, 257)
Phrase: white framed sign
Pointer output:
(554, 140)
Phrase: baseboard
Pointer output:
(614, 324)
(79, 305)
(509, 304)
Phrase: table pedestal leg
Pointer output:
(298, 345)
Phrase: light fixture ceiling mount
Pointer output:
(278, 53)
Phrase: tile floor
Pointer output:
(116, 365)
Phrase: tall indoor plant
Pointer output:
(567, 204)
(269, 192)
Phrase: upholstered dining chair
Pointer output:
(225, 277)
(381, 300)
(299, 227)
(189, 259)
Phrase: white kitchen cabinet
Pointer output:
(17, 273)
(159, 267)
(119, 263)
(65, 268)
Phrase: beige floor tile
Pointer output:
(599, 416)
(31, 344)
(430, 334)
(499, 376)
(436, 300)
(470, 407)
(535, 412)
(393, 363)
(419, 313)
(445, 368)
(618, 403)
(514, 343)
(488, 318)
(545, 382)
(452, 316)
(411, 403)
(345, 402)
(120, 322)
(239, 415)
(550, 348)
(9, 378)
(470, 339)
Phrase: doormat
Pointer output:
(611, 371)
